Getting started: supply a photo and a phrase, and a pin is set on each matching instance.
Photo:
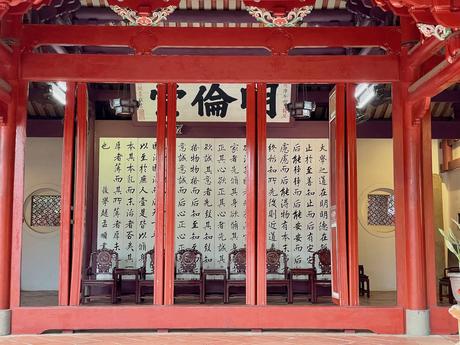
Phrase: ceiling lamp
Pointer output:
(279, 13)
(300, 108)
(124, 105)
(143, 12)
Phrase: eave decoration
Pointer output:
(437, 18)
(143, 12)
(276, 13)
(17, 7)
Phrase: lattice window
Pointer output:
(381, 209)
(46, 210)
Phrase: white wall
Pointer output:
(377, 254)
(40, 252)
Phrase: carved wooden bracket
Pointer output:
(143, 12)
(420, 109)
(20, 6)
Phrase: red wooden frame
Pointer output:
(251, 194)
(66, 195)
(169, 249)
(352, 196)
(80, 194)
(160, 196)
(18, 194)
(388, 320)
(261, 194)
(186, 69)
(280, 40)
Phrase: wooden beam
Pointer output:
(377, 319)
(201, 69)
(147, 38)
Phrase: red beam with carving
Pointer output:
(198, 69)
(80, 194)
(147, 38)
(160, 196)
(66, 194)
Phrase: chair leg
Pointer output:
(201, 292)
(368, 288)
(227, 294)
(138, 293)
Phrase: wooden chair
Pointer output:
(444, 285)
(278, 271)
(101, 274)
(322, 278)
(236, 271)
(148, 268)
(364, 285)
(188, 270)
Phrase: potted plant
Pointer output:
(453, 244)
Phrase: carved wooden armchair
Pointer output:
(236, 272)
(278, 271)
(100, 274)
(188, 270)
(146, 274)
(323, 277)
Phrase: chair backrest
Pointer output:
(361, 270)
(103, 261)
(148, 262)
(324, 260)
(236, 265)
(277, 263)
(188, 264)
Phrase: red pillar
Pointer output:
(408, 187)
(7, 140)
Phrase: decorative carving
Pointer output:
(438, 31)
(274, 259)
(380, 209)
(133, 18)
(45, 210)
(324, 258)
(188, 260)
(105, 260)
(292, 18)
(237, 261)
(20, 6)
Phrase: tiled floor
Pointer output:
(269, 338)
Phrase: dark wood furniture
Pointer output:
(444, 285)
(101, 274)
(236, 272)
(278, 271)
(119, 273)
(364, 284)
(148, 268)
(323, 277)
(188, 270)
(216, 273)
(295, 272)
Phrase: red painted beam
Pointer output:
(160, 196)
(423, 51)
(5, 96)
(80, 194)
(435, 81)
(66, 195)
(381, 319)
(147, 38)
(6, 55)
(197, 69)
